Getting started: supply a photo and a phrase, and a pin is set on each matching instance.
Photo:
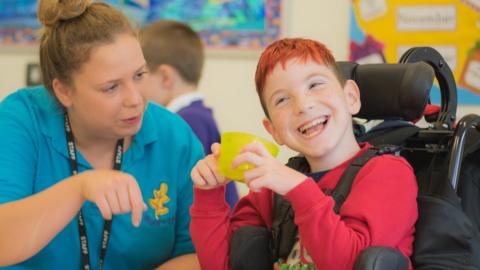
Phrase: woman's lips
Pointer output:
(132, 120)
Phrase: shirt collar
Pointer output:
(52, 123)
(183, 101)
(148, 132)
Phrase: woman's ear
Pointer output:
(352, 95)
(63, 92)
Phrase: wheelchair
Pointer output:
(445, 157)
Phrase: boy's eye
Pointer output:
(280, 100)
(315, 84)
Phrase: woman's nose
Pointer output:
(133, 96)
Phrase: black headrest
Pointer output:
(391, 91)
(448, 89)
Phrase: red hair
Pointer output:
(283, 50)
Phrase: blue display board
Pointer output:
(245, 24)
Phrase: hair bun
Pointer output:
(50, 12)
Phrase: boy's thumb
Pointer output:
(216, 149)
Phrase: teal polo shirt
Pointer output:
(33, 157)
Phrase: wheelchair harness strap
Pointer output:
(284, 229)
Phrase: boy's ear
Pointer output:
(352, 95)
(167, 76)
(271, 129)
(63, 92)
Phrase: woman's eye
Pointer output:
(140, 75)
(111, 88)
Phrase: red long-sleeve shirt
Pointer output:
(381, 210)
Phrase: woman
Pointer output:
(86, 148)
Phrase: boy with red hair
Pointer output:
(309, 108)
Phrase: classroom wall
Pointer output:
(228, 75)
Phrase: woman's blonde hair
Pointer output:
(71, 29)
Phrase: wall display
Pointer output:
(33, 74)
(238, 24)
(382, 30)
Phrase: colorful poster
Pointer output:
(245, 24)
(382, 30)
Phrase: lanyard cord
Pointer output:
(117, 163)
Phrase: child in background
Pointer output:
(308, 107)
(175, 56)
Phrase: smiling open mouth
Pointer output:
(315, 125)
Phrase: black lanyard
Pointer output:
(117, 163)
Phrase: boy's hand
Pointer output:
(269, 172)
(205, 174)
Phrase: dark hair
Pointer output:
(71, 29)
(176, 44)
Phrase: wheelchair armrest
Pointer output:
(250, 249)
(381, 258)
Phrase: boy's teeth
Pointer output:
(314, 123)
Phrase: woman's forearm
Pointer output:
(186, 262)
(29, 224)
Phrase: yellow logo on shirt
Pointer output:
(160, 198)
